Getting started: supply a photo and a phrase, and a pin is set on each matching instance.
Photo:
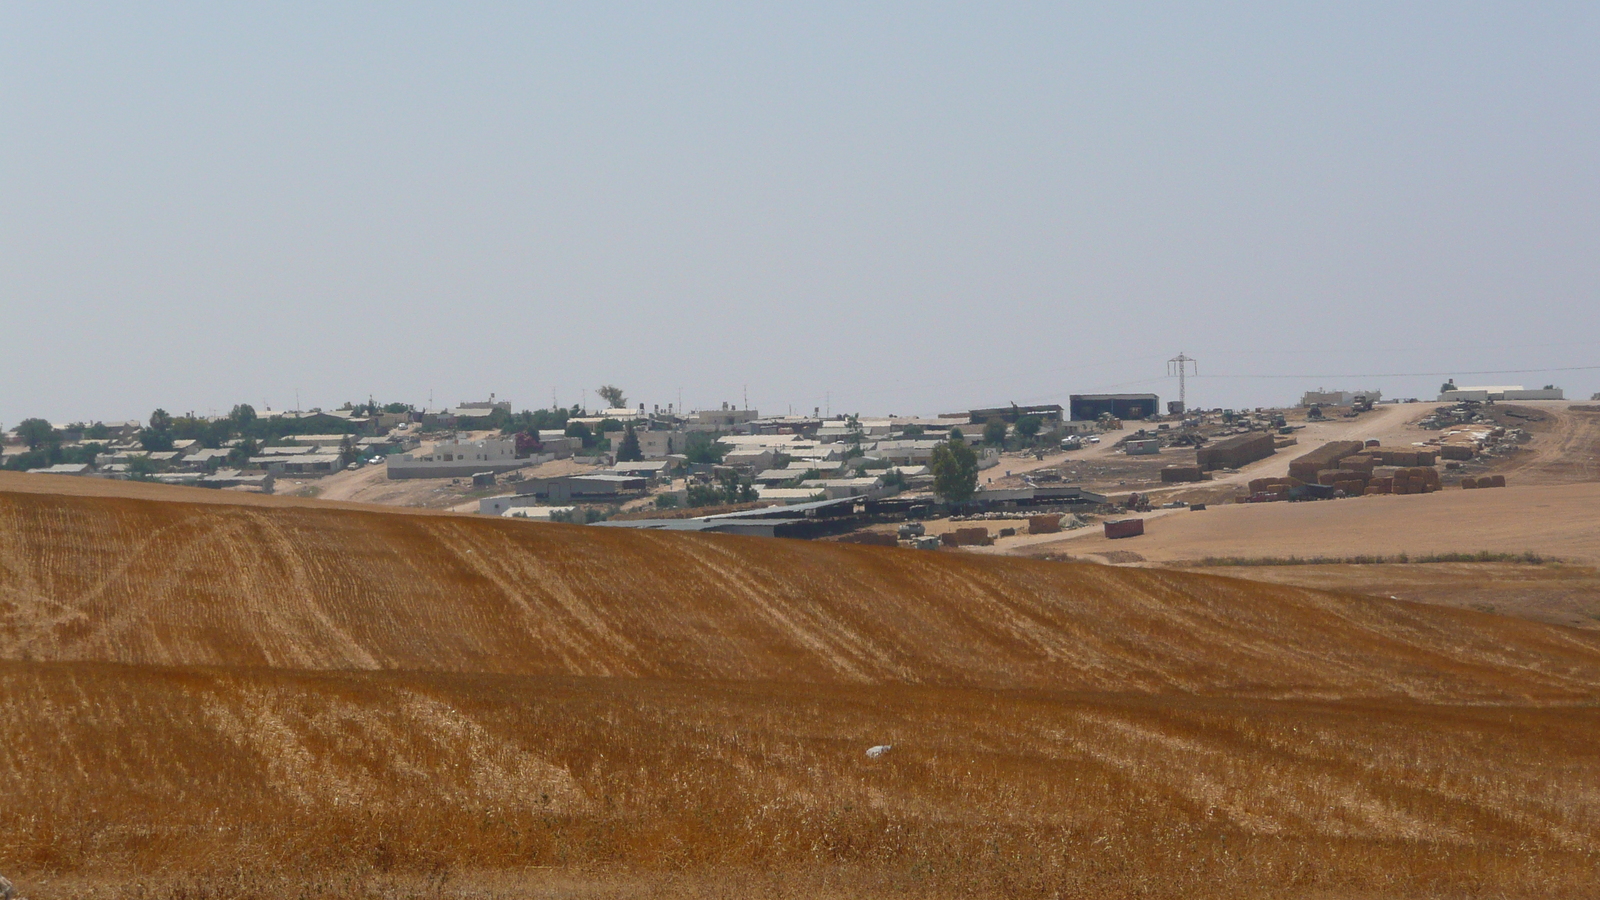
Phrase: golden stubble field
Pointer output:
(252, 701)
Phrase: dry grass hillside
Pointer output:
(220, 700)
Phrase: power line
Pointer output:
(1180, 365)
(1423, 374)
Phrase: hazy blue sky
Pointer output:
(912, 207)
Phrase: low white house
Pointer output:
(659, 444)
(457, 459)
(1501, 392)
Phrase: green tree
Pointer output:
(158, 436)
(396, 408)
(242, 416)
(1028, 426)
(629, 451)
(97, 432)
(140, 468)
(612, 395)
(956, 435)
(580, 431)
(994, 431)
(36, 433)
(239, 456)
(155, 441)
(703, 448)
(955, 471)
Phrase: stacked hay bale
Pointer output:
(967, 537)
(871, 538)
(1416, 480)
(1350, 481)
(1485, 481)
(1172, 474)
(1363, 463)
(1049, 523)
(1273, 488)
(1381, 481)
(1124, 528)
(1405, 458)
(1235, 452)
(1327, 456)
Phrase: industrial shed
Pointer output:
(1088, 407)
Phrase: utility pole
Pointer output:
(1179, 365)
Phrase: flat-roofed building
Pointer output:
(1089, 407)
(457, 459)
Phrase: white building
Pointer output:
(1321, 397)
(457, 459)
(1486, 392)
(724, 419)
(658, 444)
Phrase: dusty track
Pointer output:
(1553, 520)
(1564, 450)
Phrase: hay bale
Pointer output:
(1458, 452)
(1180, 474)
(973, 537)
(1469, 483)
(1496, 481)
(1124, 528)
(1327, 456)
(1046, 524)
(871, 538)
(1360, 462)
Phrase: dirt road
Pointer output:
(1565, 448)
(1553, 520)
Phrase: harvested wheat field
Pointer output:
(268, 700)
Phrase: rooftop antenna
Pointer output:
(747, 395)
(1179, 365)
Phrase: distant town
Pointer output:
(734, 470)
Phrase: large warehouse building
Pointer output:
(1088, 407)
